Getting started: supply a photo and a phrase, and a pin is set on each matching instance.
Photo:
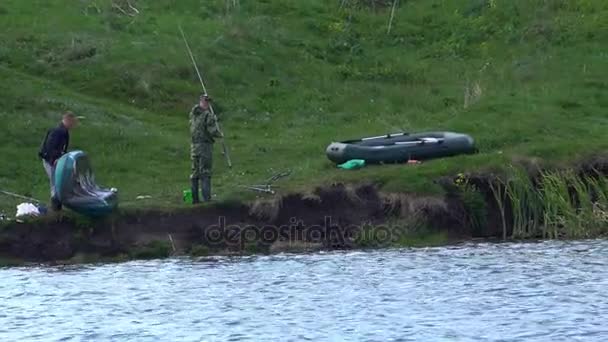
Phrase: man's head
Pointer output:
(69, 120)
(204, 101)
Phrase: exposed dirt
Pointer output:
(333, 218)
(328, 218)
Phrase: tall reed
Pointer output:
(526, 204)
(474, 204)
(499, 191)
(562, 205)
(559, 214)
(598, 186)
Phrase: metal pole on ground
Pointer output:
(12, 194)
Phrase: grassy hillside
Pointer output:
(291, 76)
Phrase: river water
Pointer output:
(551, 291)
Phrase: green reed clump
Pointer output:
(573, 205)
(526, 204)
(474, 203)
(499, 191)
(598, 208)
(585, 223)
(560, 212)
(562, 205)
(599, 188)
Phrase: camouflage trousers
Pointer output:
(201, 156)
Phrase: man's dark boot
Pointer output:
(55, 204)
(206, 188)
(194, 188)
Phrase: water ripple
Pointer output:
(548, 291)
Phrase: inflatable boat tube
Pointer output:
(401, 147)
(76, 188)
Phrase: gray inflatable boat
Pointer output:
(401, 147)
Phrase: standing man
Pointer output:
(204, 131)
(54, 146)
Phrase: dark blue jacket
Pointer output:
(55, 144)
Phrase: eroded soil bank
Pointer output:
(334, 217)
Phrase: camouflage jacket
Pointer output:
(203, 127)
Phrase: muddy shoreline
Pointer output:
(334, 217)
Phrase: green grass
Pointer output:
(4, 262)
(153, 250)
(400, 233)
(292, 76)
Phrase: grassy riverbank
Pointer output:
(525, 78)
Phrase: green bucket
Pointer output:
(187, 195)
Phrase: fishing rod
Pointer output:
(200, 78)
(8, 193)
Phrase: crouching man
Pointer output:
(55, 145)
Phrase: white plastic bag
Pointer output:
(27, 209)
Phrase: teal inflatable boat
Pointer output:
(76, 188)
(401, 147)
